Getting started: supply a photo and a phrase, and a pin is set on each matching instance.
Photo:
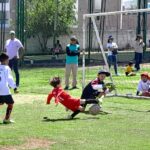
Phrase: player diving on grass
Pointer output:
(96, 89)
(78, 105)
(71, 103)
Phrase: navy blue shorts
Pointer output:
(6, 99)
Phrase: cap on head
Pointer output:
(130, 63)
(145, 74)
(104, 72)
(110, 37)
(12, 32)
(73, 38)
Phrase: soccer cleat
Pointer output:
(66, 88)
(5, 121)
(69, 117)
(74, 87)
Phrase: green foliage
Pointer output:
(41, 16)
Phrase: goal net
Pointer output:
(123, 27)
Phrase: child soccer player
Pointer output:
(144, 85)
(6, 81)
(65, 99)
(96, 88)
(129, 70)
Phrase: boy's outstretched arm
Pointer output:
(49, 97)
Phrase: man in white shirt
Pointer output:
(12, 48)
(6, 81)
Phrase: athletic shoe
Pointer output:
(74, 87)
(8, 121)
(69, 117)
(66, 88)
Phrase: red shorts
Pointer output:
(71, 103)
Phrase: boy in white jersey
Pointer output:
(144, 85)
(6, 81)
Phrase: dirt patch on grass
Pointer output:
(24, 98)
(31, 144)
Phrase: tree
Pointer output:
(41, 15)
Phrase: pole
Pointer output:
(145, 25)
(83, 55)
(102, 49)
(139, 18)
(3, 22)
(90, 33)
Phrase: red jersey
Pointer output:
(64, 98)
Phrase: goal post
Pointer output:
(99, 40)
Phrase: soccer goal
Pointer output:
(122, 26)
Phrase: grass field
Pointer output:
(127, 127)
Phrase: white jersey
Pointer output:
(143, 86)
(6, 80)
(111, 46)
(12, 47)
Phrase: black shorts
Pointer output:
(6, 99)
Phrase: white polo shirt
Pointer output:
(12, 47)
(6, 80)
(143, 86)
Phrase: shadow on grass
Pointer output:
(146, 111)
(46, 119)
(100, 113)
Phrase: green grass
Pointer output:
(127, 128)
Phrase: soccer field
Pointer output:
(127, 127)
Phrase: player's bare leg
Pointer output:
(8, 113)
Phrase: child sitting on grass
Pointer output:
(6, 81)
(65, 99)
(129, 70)
(144, 85)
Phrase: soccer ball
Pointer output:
(94, 109)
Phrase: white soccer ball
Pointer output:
(94, 109)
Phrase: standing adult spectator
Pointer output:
(138, 46)
(72, 54)
(112, 53)
(12, 48)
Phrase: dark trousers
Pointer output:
(112, 60)
(138, 60)
(13, 64)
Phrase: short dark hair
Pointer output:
(55, 81)
(3, 57)
(130, 63)
(138, 37)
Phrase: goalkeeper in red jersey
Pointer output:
(65, 99)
